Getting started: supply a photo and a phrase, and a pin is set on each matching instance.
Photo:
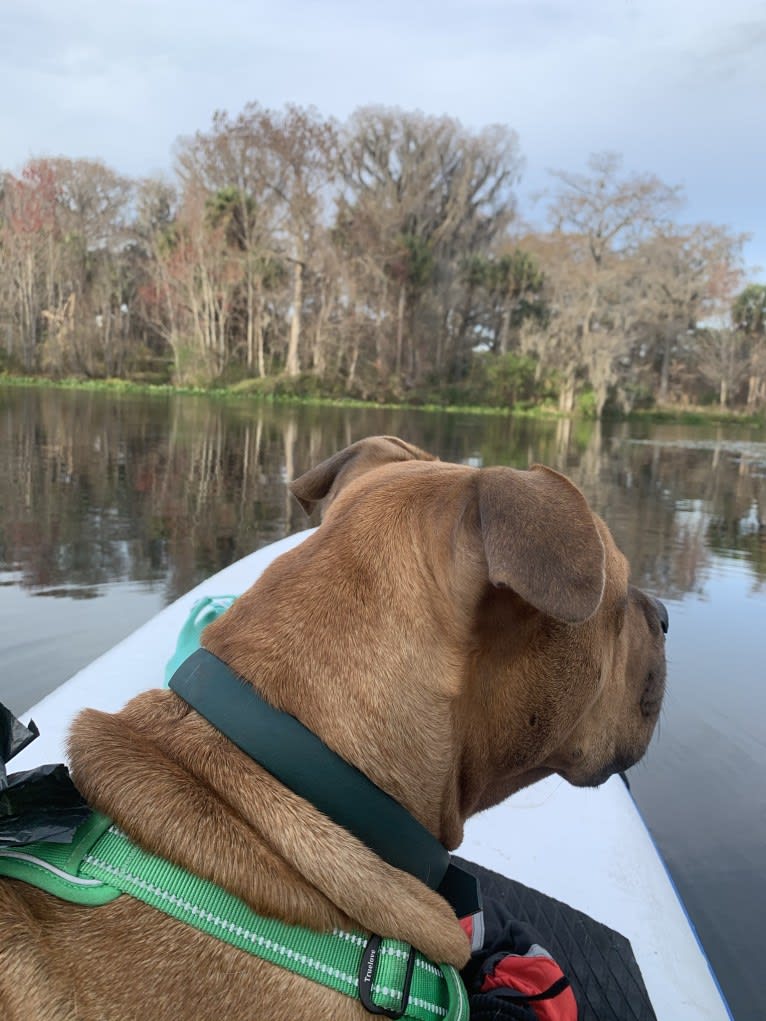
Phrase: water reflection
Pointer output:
(96, 488)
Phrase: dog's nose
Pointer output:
(662, 611)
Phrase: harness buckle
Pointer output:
(368, 968)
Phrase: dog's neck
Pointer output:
(184, 791)
(307, 766)
(366, 694)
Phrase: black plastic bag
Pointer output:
(14, 736)
(41, 803)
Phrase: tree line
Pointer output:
(384, 258)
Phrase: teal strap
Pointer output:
(304, 763)
(332, 959)
(204, 612)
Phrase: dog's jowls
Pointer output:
(455, 633)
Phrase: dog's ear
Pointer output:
(329, 477)
(540, 540)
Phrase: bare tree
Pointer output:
(602, 217)
(64, 230)
(302, 149)
(721, 359)
(29, 238)
(92, 203)
(233, 164)
(677, 285)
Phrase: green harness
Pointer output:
(101, 863)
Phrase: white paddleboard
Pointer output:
(588, 848)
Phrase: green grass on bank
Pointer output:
(697, 416)
(238, 392)
(254, 390)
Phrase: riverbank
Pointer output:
(248, 391)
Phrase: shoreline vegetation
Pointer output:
(282, 395)
(386, 258)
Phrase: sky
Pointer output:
(679, 88)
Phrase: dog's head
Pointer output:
(475, 630)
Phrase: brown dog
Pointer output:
(455, 633)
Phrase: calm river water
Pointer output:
(111, 507)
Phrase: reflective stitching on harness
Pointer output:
(221, 923)
(427, 966)
(361, 941)
(424, 1005)
(419, 961)
(350, 937)
(414, 1000)
(263, 941)
(47, 867)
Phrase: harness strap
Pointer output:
(390, 977)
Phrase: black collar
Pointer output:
(304, 764)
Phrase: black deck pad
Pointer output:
(598, 961)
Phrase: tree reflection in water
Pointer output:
(96, 488)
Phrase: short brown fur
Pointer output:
(454, 633)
